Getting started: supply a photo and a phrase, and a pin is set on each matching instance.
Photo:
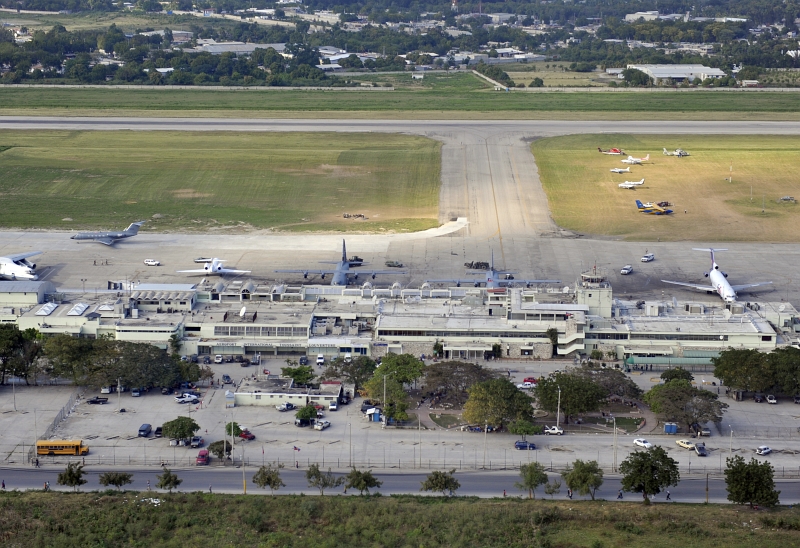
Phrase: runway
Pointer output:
(489, 179)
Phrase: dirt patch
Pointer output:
(188, 193)
(330, 170)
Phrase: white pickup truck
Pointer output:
(555, 430)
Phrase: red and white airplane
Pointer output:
(631, 160)
(612, 151)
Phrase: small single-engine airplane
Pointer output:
(719, 283)
(214, 267)
(612, 151)
(652, 208)
(629, 186)
(679, 152)
(635, 161)
(621, 170)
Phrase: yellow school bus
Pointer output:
(61, 447)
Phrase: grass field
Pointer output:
(584, 195)
(442, 96)
(151, 519)
(202, 181)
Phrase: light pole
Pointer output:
(730, 446)
(244, 481)
(83, 281)
(558, 407)
(351, 443)
(485, 433)
(614, 468)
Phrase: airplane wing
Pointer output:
(195, 271)
(701, 287)
(232, 271)
(747, 286)
(20, 256)
(106, 241)
(383, 272)
(307, 271)
(457, 282)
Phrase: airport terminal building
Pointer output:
(279, 321)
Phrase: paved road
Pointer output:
(479, 484)
(489, 178)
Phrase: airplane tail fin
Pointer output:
(133, 228)
(344, 251)
(599, 149)
(710, 250)
(665, 152)
(639, 204)
(646, 158)
(642, 181)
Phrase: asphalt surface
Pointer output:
(478, 484)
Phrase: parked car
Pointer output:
(106, 390)
(166, 390)
(526, 385)
(532, 380)
(303, 360)
(136, 392)
(196, 442)
(333, 406)
(144, 430)
(700, 449)
(524, 445)
(226, 379)
(218, 358)
(152, 262)
(348, 357)
(321, 425)
(686, 444)
(641, 442)
(771, 399)
(797, 399)
(97, 400)
(627, 269)
(648, 257)
(555, 430)
(758, 398)
(203, 457)
(320, 359)
(763, 450)
(159, 431)
(302, 422)
(206, 360)
(285, 407)
(186, 399)
(247, 435)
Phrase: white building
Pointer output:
(678, 73)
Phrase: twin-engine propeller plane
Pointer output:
(621, 170)
(631, 185)
(718, 279)
(652, 209)
(635, 161)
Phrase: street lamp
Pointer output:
(351, 444)
(558, 407)
(730, 447)
(614, 468)
(83, 280)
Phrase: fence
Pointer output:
(62, 415)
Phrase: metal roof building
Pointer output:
(678, 73)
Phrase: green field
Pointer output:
(584, 195)
(153, 519)
(438, 96)
(222, 181)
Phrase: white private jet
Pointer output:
(621, 170)
(628, 185)
(17, 267)
(634, 183)
(635, 161)
(214, 267)
(679, 152)
(719, 283)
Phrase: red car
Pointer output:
(247, 435)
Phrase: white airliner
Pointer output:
(214, 267)
(17, 267)
(621, 170)
(719, 283)
(632, 161)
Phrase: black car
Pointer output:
(700, 449)
(797, 399)
(302, 422)
(303, 360)
(166, 391)
(758, 398)
(159, 432)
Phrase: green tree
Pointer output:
(443, 482)
(168, 480)
(552, 487)
(220, 448)
(269, 476)
(396, 397)
(175, 341)
(552, 334)
(613, 381)
(648, 472)
(453, 379)
(233, 429)
(584, 477)
(117, 479)
(308, 412)
(750, 483)
(744, 369)
(524, 428)
(357, 372)
(578, 394)
(181, 428)
(536, 83)
(322, 480)
(301, 375)
(676, 373)
(72, 476)
(497, 402)
(404, 368)
(363, 481)
(681, 402)
(636, 77)
(533, 475)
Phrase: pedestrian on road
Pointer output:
(619, 497)
(209, 488)
(504, 493)
(148, 485)
(569, 493)
(296, 464)
(37, 463)
(47, 486)
(668, 496)
(4, 485)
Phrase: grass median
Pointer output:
(219, 181)
(729, 189)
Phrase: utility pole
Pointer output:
(119, 395)
(614, 468)
(730, 446)
(244, 481)
(558, 407)
(706, 488)
(485, 433)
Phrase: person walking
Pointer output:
(148, 485)
(669, 497)
(569, 494)
(504, 493)
(4, 485)
(619, 496)
(209, 488)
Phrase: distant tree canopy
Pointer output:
(778, 371)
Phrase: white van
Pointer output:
(320, 359)
(347, 357)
